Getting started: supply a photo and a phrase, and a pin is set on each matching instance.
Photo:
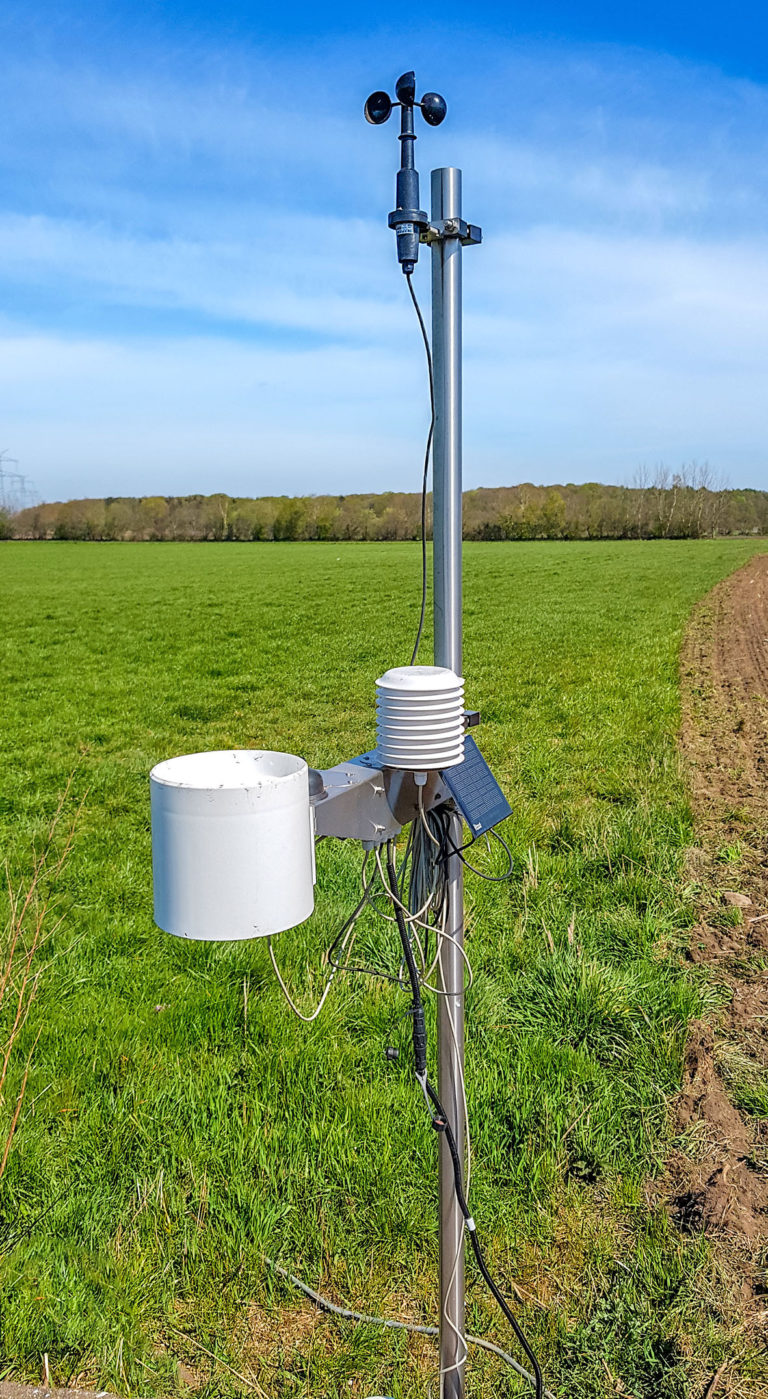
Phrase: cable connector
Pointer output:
(419, 1039)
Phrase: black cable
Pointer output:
(491, 878)
(441, 1124)
(426, 876)
(430, 435)
(385, 975)
(354, 915)
(417, 1008)
(410, 961)
(404, 881)
(379, 972)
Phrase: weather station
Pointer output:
(234, 833)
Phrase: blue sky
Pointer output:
(199, 291)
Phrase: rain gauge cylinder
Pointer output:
(232, 844)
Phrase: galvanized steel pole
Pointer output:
(446, 348)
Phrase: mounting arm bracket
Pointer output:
(357, 800)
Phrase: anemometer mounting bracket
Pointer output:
(469, 233)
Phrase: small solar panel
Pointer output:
(475, 790)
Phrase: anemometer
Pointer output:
(234, 833)
(407, 219)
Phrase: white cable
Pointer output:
(465, 1109)
(409, 918)
(468, 1152)
(348, 1315)
(423, 818)
(347, 943)
(460, 1337)
(444, 936)
(409, 915)
(433, 964)
(458, 1333)
(309, 1018)
(414, 919)
(448, 937)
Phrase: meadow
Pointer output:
(179, 1124)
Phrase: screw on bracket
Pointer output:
(469, 233)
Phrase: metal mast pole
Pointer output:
(446, 232)
(446, 348)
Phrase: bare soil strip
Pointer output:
(718, 1179)
(725, 716)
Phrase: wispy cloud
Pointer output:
(198, 291)
(202, 414)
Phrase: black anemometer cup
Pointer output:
(407, 219)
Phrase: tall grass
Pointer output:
(26, 931)
(191, 1126)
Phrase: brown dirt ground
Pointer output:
(725, 720)
(718, 1178)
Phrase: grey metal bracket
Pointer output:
(469, 233)
(358, 800)
(352, 804)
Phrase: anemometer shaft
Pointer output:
(407, 219)
(446, 348)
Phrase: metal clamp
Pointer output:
(469, 233)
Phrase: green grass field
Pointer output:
(179, 1124)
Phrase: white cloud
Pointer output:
(294, 278)
(616, 313)
(197, 414)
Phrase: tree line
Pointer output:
(681, 505)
